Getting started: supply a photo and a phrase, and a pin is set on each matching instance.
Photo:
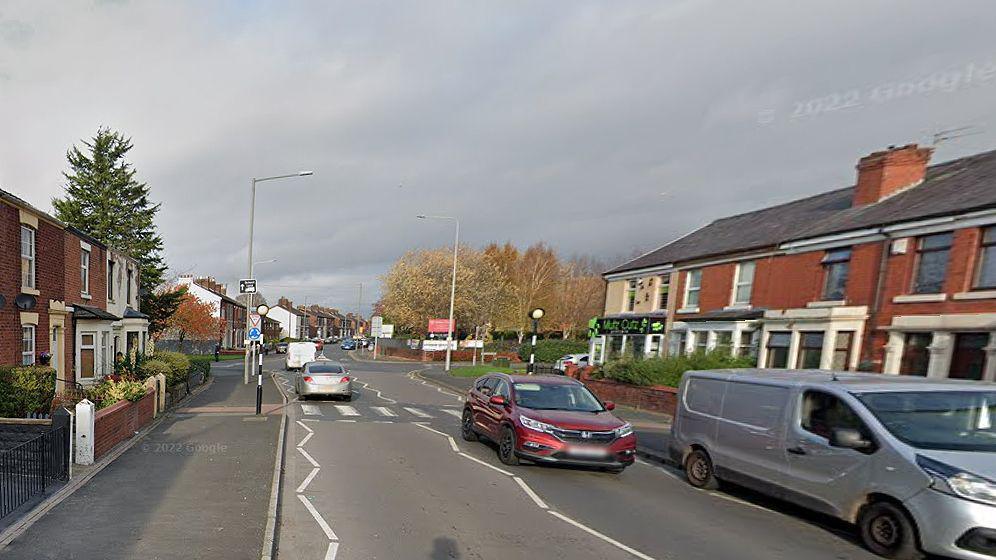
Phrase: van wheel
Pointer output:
(699, 472)
(888, 531)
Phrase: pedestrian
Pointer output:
(217, 352)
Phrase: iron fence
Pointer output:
(30, 468)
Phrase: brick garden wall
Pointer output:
(658, 398)
(120, 421)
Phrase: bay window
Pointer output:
(810, 350)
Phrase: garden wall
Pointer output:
(120, 421)
(657, 398)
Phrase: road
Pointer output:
(387, 476)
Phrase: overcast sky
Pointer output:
(598, 127)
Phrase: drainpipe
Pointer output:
(883, 263)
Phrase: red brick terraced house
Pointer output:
(54, 303)
(896, 274)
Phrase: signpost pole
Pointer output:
(259, 383)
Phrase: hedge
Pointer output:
(551, 350)
(668, 371)
(178, 364)
(26, 389)
(201, 364)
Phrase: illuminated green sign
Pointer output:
(634, 325)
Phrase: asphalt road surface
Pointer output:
(387, 476)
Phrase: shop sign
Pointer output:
(634, 325)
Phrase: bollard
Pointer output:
(153, 384)
(84, 432)
(161, 392)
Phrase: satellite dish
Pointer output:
(25, 301)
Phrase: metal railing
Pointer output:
(29, 468)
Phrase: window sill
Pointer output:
(826, 303)
(981, 294)
(86, 296)
(738, 307)
(685, 310)
(920, 298)
(31, 291)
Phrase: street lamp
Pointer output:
(456, 245)
(535, 315)
(252, 218)
(262, 310)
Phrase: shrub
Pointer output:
(201, 364)
(551, 350)
(668, 371)
(155, 367)
(179, 366)
(121, 391)
(26, 389)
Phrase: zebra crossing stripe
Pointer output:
(346, 410)
(417, 412)
(311, 410)
(383, 411)
(452, 412)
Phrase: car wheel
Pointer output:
(888, 531)
(467, 426)
(699, 471)
(506, 447)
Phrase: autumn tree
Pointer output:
(579, 295)
(533, 279)
(194, 320)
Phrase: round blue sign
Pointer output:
(254, 334)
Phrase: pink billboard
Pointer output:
(439, 325)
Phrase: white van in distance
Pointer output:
(299, 353)
(911, 461)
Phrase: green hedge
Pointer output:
(201, 364)
(551, 350)
(668, 371)
(26, 389)
(178, 364)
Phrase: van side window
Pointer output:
(705, 395)
(754, 404)
(822, 413)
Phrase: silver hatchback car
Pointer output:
(324, 378)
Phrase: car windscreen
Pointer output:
(324, 368)
(941, 420)
(543, 396)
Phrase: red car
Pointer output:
(547, 419)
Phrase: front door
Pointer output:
(822, 477)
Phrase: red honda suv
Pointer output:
(547, 419)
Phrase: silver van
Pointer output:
(910, 461)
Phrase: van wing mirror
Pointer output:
(849, 438)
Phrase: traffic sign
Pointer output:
(255, 320)
(247, 286)
(386, 330)
(255, 335)
(376, 322)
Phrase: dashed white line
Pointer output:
(529, 492)
(660, 469)
(383, 410)
(422, 425)
(332, 551)
(310, 459)
(488, 465)
(595, 533)
(453, 444)
(452, 412)
(417, 412)
(303, 425)
(346, 410)
(308, 479)
(351, 421)
(318, 518)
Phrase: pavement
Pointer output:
(652, 428)
(387, 476)
(197, 486)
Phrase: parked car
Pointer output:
(580, 360)
(348, 344)
(547, 419)
(911, 461)
(298, 354)
(281, 348)
(324, 378)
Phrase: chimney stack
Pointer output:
(883, 174)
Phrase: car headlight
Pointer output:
(535, 425)
(954, 481)
(624, 430)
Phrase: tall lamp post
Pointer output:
(456, 246)
(252, 217)
(535, 315)
(262, 310)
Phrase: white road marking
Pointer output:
(605, 538)
(383, 421)
(488, 465)
(303, 425)
(417, 412)
(310, 459)
(529, 492)
(311, 410)
(307, 480)
(661, 469)
(383, 411)
(421, 425)
(354, 421)
(333, 550)
(318, 517)
(379, 395)
(453, 444)
(346, 410)
(453, 412)
(306, 438)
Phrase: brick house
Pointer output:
(57, 288)
(895, 274)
